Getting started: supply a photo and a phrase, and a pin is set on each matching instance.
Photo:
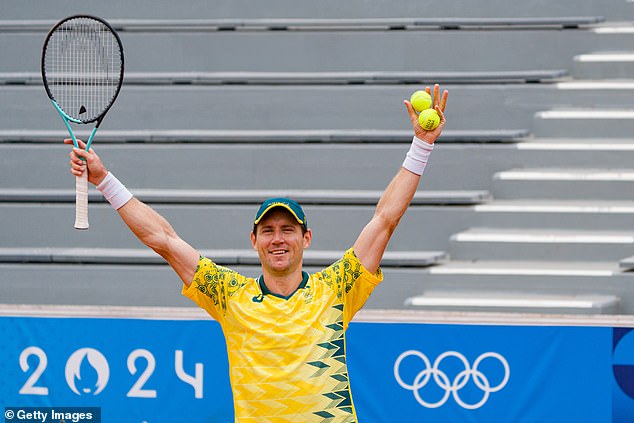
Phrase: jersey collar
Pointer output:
(266, 291)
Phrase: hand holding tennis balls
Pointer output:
(431, 121)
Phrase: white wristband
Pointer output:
(114, 191)
(417, 156)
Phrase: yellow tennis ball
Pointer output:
(429, 119)
(420, 100)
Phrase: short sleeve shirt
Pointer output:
(287, 355)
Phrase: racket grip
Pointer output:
(81, 201)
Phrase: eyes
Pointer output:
(286, 230)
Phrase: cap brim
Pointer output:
(272, 206)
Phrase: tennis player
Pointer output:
(285, 330)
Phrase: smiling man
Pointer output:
(280, 235)
(285, 330)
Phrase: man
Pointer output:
(285, 329)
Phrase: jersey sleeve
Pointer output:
(352, 283)
(212, 286)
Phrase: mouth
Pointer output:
(278, 252)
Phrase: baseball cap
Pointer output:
(290, 205)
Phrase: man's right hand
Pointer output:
(96, 170)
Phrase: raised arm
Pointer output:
(373, 240)
(150, 227)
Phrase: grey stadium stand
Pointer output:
(526, 205)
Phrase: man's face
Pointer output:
(280, 242)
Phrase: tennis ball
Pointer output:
(429, 119)
(420, 101)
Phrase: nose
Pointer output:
(277, 236)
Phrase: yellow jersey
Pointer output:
(287, 355)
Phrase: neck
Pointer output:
(284, 284)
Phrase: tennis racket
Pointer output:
(82, 70)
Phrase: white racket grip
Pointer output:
(81, 201)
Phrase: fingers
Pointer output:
(439, 100)
(78, 157)
(80, 143)
(443, 100)
(77, 167)
(80, 153)
(413, 116)
(441, 113)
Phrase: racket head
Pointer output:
(82, 67)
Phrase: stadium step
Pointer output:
(316, 78)
(224, 226)
(263, 136)
(117, 276)
(515, 303)
(584, 122)
(610, 57)
(601, 215)
(278, 166)
(595, 93)
(224, 217)
(355, 108)
(455, 166)
(146, 256)
(120, 284)
(511, 285)
(343, 51)
(605, 65)
(149, 284)
(314, 24)
(627, 264)
(518, 278)
(537, 272)
(560, 183)
(293, 9)
(254, 197)
(541, 244)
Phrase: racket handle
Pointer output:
(81, 201)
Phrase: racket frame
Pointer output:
(81, 184)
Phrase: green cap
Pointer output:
(290, 205)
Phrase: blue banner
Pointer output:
(136, 370)
(163, 371)
(443, 373)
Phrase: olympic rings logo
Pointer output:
(460, 380)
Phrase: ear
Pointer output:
(308, 238)
(253, 240)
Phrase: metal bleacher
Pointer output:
(526, 204)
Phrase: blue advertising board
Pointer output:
(164, 371)
(135, 370)
(471, 373)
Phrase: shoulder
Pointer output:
(342, 274)
(211, 277)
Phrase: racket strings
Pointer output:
(82, 67)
